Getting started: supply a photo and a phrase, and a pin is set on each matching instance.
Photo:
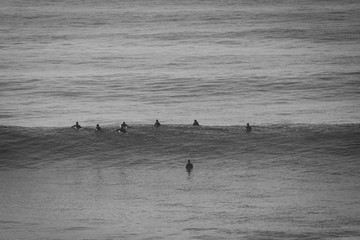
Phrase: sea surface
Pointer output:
(223, 62)
(276, 182)
(289, 68)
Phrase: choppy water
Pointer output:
(221, 62)
(290, 68)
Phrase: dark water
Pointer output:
(277, 182)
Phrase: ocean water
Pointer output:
(277, 182)
(289, 68)
(223, 62)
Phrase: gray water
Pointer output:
(221, 62)
(277, 182)
(289, 68)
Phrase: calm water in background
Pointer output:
(221, 62)
(290, 68)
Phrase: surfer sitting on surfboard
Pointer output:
(196, 123)
(124, 125)
(76, 126)
(98, 128)
(157, 123)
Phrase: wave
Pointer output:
(171, 145)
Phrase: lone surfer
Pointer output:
(196, 123)
(248, 128)
(157, 123)
(76, 126)
(189, 167)
(98, 128)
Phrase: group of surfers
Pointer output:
(122, 128)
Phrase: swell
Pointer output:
(171, 145)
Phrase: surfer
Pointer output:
(196, 123)
(248, 128)
(124, 125)
(157, 123)
(98, 128)
(121, 129)
(76, 126)
(189, 167)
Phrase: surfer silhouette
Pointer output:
(76, 126)
(196, 123)
(189, 167)
(98, 128)
(248, 128)
(124, 125)
(157, 123)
